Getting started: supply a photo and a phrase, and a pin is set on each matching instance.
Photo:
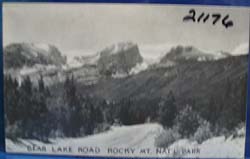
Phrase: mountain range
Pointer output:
(185, 70)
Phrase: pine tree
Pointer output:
(230, 115)
(26, 86)
(88, 116)
(187, 121)
(214, 106)
(26, 109)
(41, 86)
(168, 111)
(41, 110)
(123, 112)
(72, 100)
(242, 100)
(11, 95)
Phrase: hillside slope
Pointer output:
(187, 80)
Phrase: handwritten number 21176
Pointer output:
(216, 17)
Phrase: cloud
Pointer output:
(241, 49)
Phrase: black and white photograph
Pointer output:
(125, 80)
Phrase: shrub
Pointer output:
(239, 131)
(187, 121)
(203, 132)
(167, 137)
(56, 133)
(101, 128)
(13, 131)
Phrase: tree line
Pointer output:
(30, 110)
(37, 111)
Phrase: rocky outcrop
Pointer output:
(183, 53)
(119, 58)
(18, 55)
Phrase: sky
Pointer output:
(88, 28)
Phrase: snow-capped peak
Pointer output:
(78, 61)
(116, 48)
(242, 49)
(192, 53)
(38, 48)
(138, 68)
(42, 46)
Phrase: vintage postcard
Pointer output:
(125, 80)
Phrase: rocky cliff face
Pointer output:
(183, 53)
(119, 59)
(20, 55)
(33, 60)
